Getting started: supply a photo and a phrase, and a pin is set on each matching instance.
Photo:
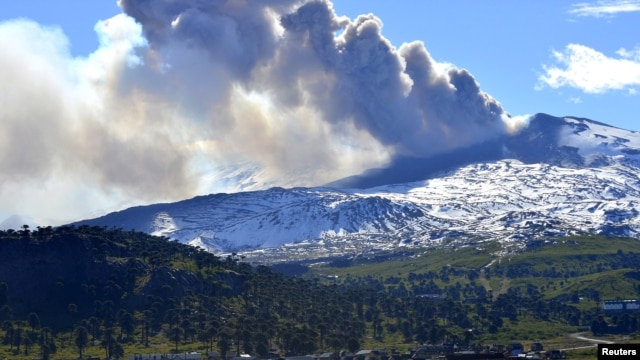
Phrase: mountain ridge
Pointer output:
(557, 177)
(518, 146)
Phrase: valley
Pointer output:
(163, 296)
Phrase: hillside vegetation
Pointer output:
(87, 290)
(549, 288)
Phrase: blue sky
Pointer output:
(114, 119)
(507, 45)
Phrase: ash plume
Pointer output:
(181, 86)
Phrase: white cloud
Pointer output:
(630, 54)
(605, 8)
(591, 71)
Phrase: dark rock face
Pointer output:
(538, 143)
(171, 283)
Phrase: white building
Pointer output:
(620, 306)
(183, 356)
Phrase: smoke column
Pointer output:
(178, 88)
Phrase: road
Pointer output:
(594, 342)
(591, 340)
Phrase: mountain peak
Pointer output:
(557, 176)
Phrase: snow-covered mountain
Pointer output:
(559, 176)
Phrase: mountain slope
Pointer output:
(557, 177)
(566, 142)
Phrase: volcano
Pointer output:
(556, 177)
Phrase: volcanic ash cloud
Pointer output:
(176, 87)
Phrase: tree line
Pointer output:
(84, 287)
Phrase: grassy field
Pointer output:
(580, 265)
(586, 262)
(576, 349)
(418, 262)
(66, 350)
(559, 268)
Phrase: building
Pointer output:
(620, 306)
(183, 356)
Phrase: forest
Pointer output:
(70, 292)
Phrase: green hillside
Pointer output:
(571, 275)
(610, 266)
(114, 293)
